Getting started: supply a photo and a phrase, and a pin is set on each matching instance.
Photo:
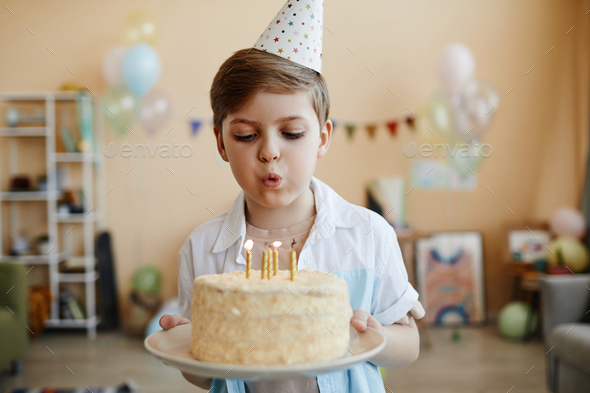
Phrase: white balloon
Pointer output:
(567, 221)
(112, 65)
(455, 67)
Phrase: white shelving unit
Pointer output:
(92, 220)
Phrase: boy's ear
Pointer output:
(220, 144)
(325, 137)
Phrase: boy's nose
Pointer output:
(269, 152)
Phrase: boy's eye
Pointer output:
(244, 138)
(293, 135)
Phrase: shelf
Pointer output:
(73, 323)
(34, 259)
(78, 277)
(23, 131)
(61, 266)
(41, 95)
(27, 195)
(76, 217)
(74, 157)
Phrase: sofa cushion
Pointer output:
(571, 341)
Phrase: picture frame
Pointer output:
(450, 278)
(526, 246)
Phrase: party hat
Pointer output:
(295, 33)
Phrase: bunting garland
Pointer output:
(371, 128)
(196, 123)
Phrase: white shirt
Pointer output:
(350, 241)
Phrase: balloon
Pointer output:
(121, 108)
(567, 221)
(112, 65)
(570, 251)
(455, 67)
(155, 110)
(441, 114)
(140, 26)
(148, 280)
(474, 108)
(141, 68)
(513, 318)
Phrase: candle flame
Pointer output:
(249, 244)
(277, 244)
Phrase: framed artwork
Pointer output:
(449, 274)
(528, 246)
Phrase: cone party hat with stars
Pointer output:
(295, 33)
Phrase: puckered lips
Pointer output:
(272, 180)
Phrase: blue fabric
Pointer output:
(361, 378)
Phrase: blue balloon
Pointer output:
(141, 68)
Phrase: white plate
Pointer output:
(173, 347)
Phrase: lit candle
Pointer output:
(277, 244)
(248, 247)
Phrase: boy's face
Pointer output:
(272, 145)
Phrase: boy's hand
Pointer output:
(168, 321)
(361, 319)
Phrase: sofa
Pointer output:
(564, 302)
(14, 336)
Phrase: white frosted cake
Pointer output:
(257, 321)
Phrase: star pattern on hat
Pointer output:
(295, 33)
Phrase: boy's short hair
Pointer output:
(250, 71)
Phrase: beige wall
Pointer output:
(539, 134)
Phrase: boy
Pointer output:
(271, 124)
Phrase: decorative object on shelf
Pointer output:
(39, 300)
(42, 183)
(43, 244)
(73, 200)
(85, 114)
(20, 183)
(70, 307)
(20, 245)
(14, 117)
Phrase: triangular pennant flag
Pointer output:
(392, 125)
(295, 33)
(371, 130)
(195, 126)
(350, 130)
(410, 122)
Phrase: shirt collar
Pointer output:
(332, 211)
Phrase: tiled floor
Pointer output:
(481, 362)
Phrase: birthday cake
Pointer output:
(276, 321)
